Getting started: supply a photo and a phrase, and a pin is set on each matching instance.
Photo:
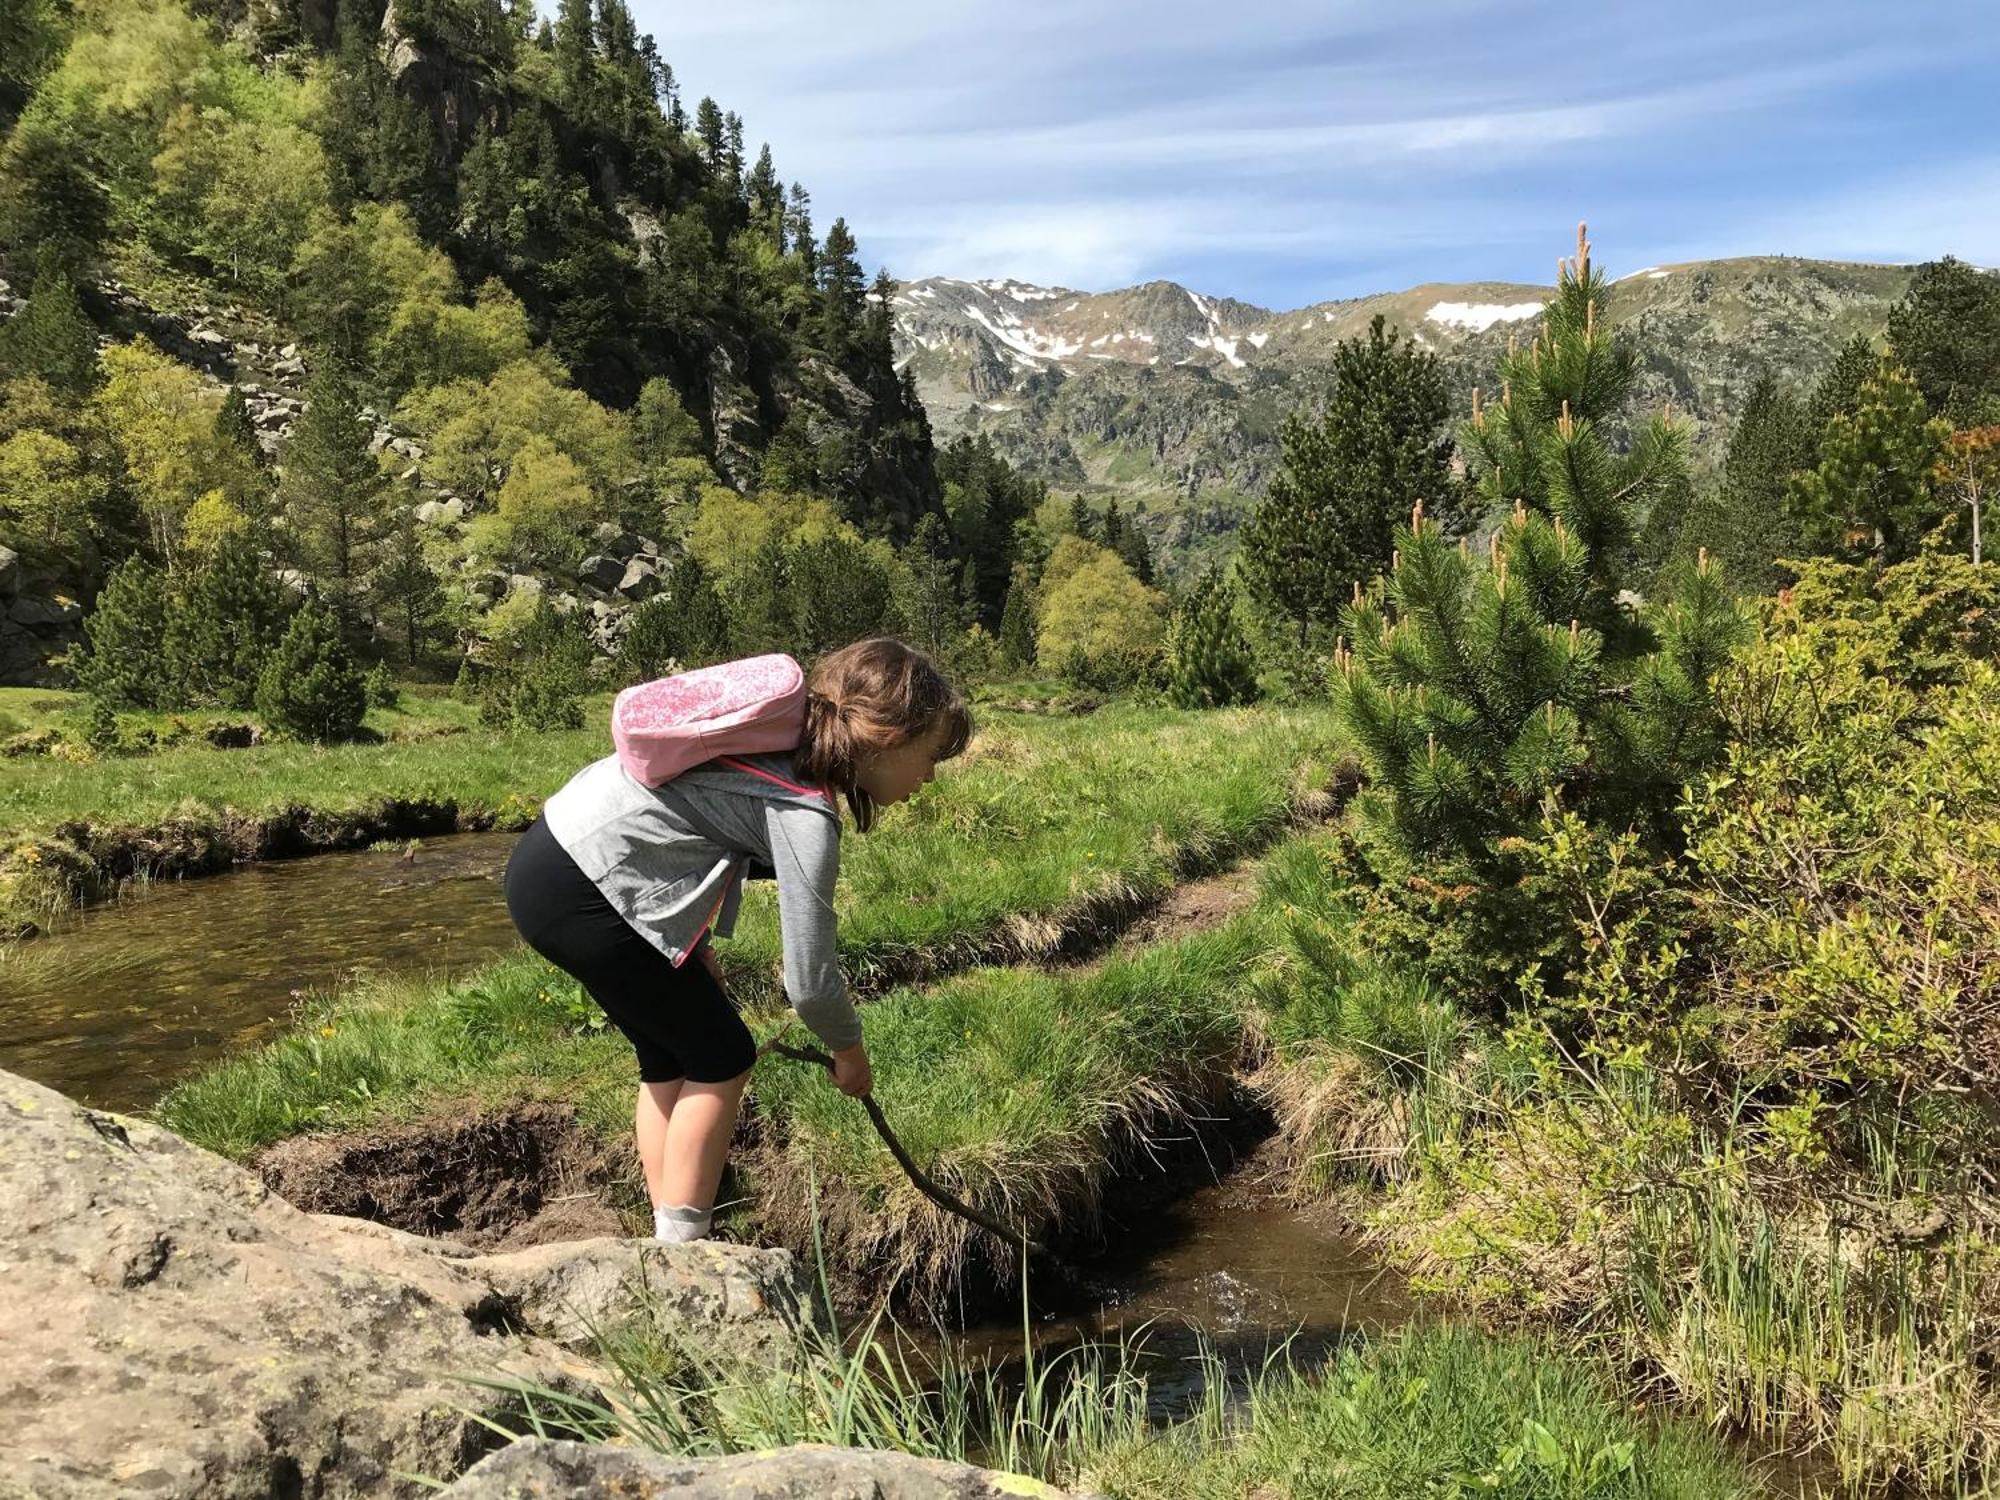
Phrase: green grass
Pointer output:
(475, 767)
(1049, 825)
(1440, 1411)
(1021, 1090)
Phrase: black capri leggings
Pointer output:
(677, 1020)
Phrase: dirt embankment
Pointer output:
(495, 1179)
(78, 862)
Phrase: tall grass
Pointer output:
(1434, 1411)
(1839, 1309)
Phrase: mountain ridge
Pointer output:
(1163, 394)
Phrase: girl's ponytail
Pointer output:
(872, 696)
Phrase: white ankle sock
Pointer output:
(677, 1223)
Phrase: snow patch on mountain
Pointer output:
(1477, 317)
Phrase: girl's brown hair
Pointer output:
(873, 695)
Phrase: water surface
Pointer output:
(117, 1003)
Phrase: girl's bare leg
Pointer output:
(697, 1142)
(649, 1127)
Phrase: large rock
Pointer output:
(540, 1469)
(173, 1328)
(37, 613)
(601, 572)
(640, 580)
(10, 572)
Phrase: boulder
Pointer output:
(172, 1328)
(641, 580)
(10, 572)
(545, 1469)
(523, 583)
(441, 512)
(601, 572)
(41, 613)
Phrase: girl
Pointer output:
(619, 884)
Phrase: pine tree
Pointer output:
(50, 337)
(1082, 522)
(1838, 392)
(234, 427)
(1017, 619)
(1743, 521)
(1133, 548)
(841, 290)
(124, 636)
(1478, 686)
(760, 606)
(932, 610)
(840, 594)
(799, 231)
(406, 587)
(310, 687)
(229, 616)
(1209, 664)
(1875, 490)
(542, 686)
(767, 200)
(1346, 477)
(1946, 333)
(51, 191)
(330, 494)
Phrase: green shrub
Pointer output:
(311, 687)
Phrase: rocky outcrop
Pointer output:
(538, 1469)
(173, 1328)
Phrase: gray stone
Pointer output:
(441, 512)
(542, 1469)
(290, 351)
(601, 572)
(207, 337)
(641, 580)
(524, 583)
(172, 1328)
(379, 440)
(289, 367)
(10, 572)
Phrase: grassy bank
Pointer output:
(1024, 1091)
(1843, 1308)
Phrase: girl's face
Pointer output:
(889, 776)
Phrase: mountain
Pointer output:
(1161, 395)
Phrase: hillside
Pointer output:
(1162, 394)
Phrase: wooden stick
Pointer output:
(943, 1199)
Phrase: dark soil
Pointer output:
(496, 1179)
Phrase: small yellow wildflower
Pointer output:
(326, 1031)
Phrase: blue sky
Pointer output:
(1289, 153)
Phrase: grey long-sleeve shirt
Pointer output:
(671, 860)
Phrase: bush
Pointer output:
(1208, 658)
(542, 686)
(381, 687)
(311, 687)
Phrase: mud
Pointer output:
(503, 1179)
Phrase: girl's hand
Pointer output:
(851, 1073)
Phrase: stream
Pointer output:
(115, 1004)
